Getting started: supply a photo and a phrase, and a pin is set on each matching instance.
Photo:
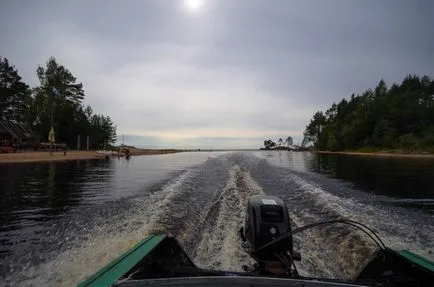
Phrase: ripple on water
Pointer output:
(203, 206)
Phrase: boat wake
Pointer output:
(345, 247)
(203, 207)
(219, 247)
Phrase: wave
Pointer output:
(203, 207)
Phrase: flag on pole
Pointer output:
(51, 136)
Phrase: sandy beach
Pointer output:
(38, 156)
(382, 154)
(43, 156)
(136, 151)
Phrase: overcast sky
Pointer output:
(219, 73)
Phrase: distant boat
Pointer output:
(128, 153)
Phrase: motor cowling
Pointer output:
(266, 219)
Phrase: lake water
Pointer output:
(62, 221)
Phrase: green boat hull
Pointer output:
(116, 269)
(159, 260)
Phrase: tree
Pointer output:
(15, 97)
(289, 141)
(315, 128)
(305, 141)
(103, 131)
(58, 77)
(109, 130)
(57, 99)
(402, 116)
(269, 144)
(280, 141)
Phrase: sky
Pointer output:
(219, 73)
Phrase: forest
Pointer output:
(56, 102)
(397, 118)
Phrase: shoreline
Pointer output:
(138, 152)
(379, 154)
(44, 156)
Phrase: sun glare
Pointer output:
(193, 5)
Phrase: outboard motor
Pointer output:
(266, 219)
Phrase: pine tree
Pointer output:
(14, 93)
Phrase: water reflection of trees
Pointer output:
(40, 191)
(396, 177)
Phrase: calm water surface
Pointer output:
(402, 181)
(74, 217)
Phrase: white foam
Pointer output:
(107, 242)
(396, 230)
(220, 246)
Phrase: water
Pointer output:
(61, 222)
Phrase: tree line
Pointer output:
(399, 117)
(57, 101)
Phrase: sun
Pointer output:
(193, 5)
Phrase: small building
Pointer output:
(12, 132)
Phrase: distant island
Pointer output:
(399, 119)
(281, 144)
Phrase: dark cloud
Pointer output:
(238, 70)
